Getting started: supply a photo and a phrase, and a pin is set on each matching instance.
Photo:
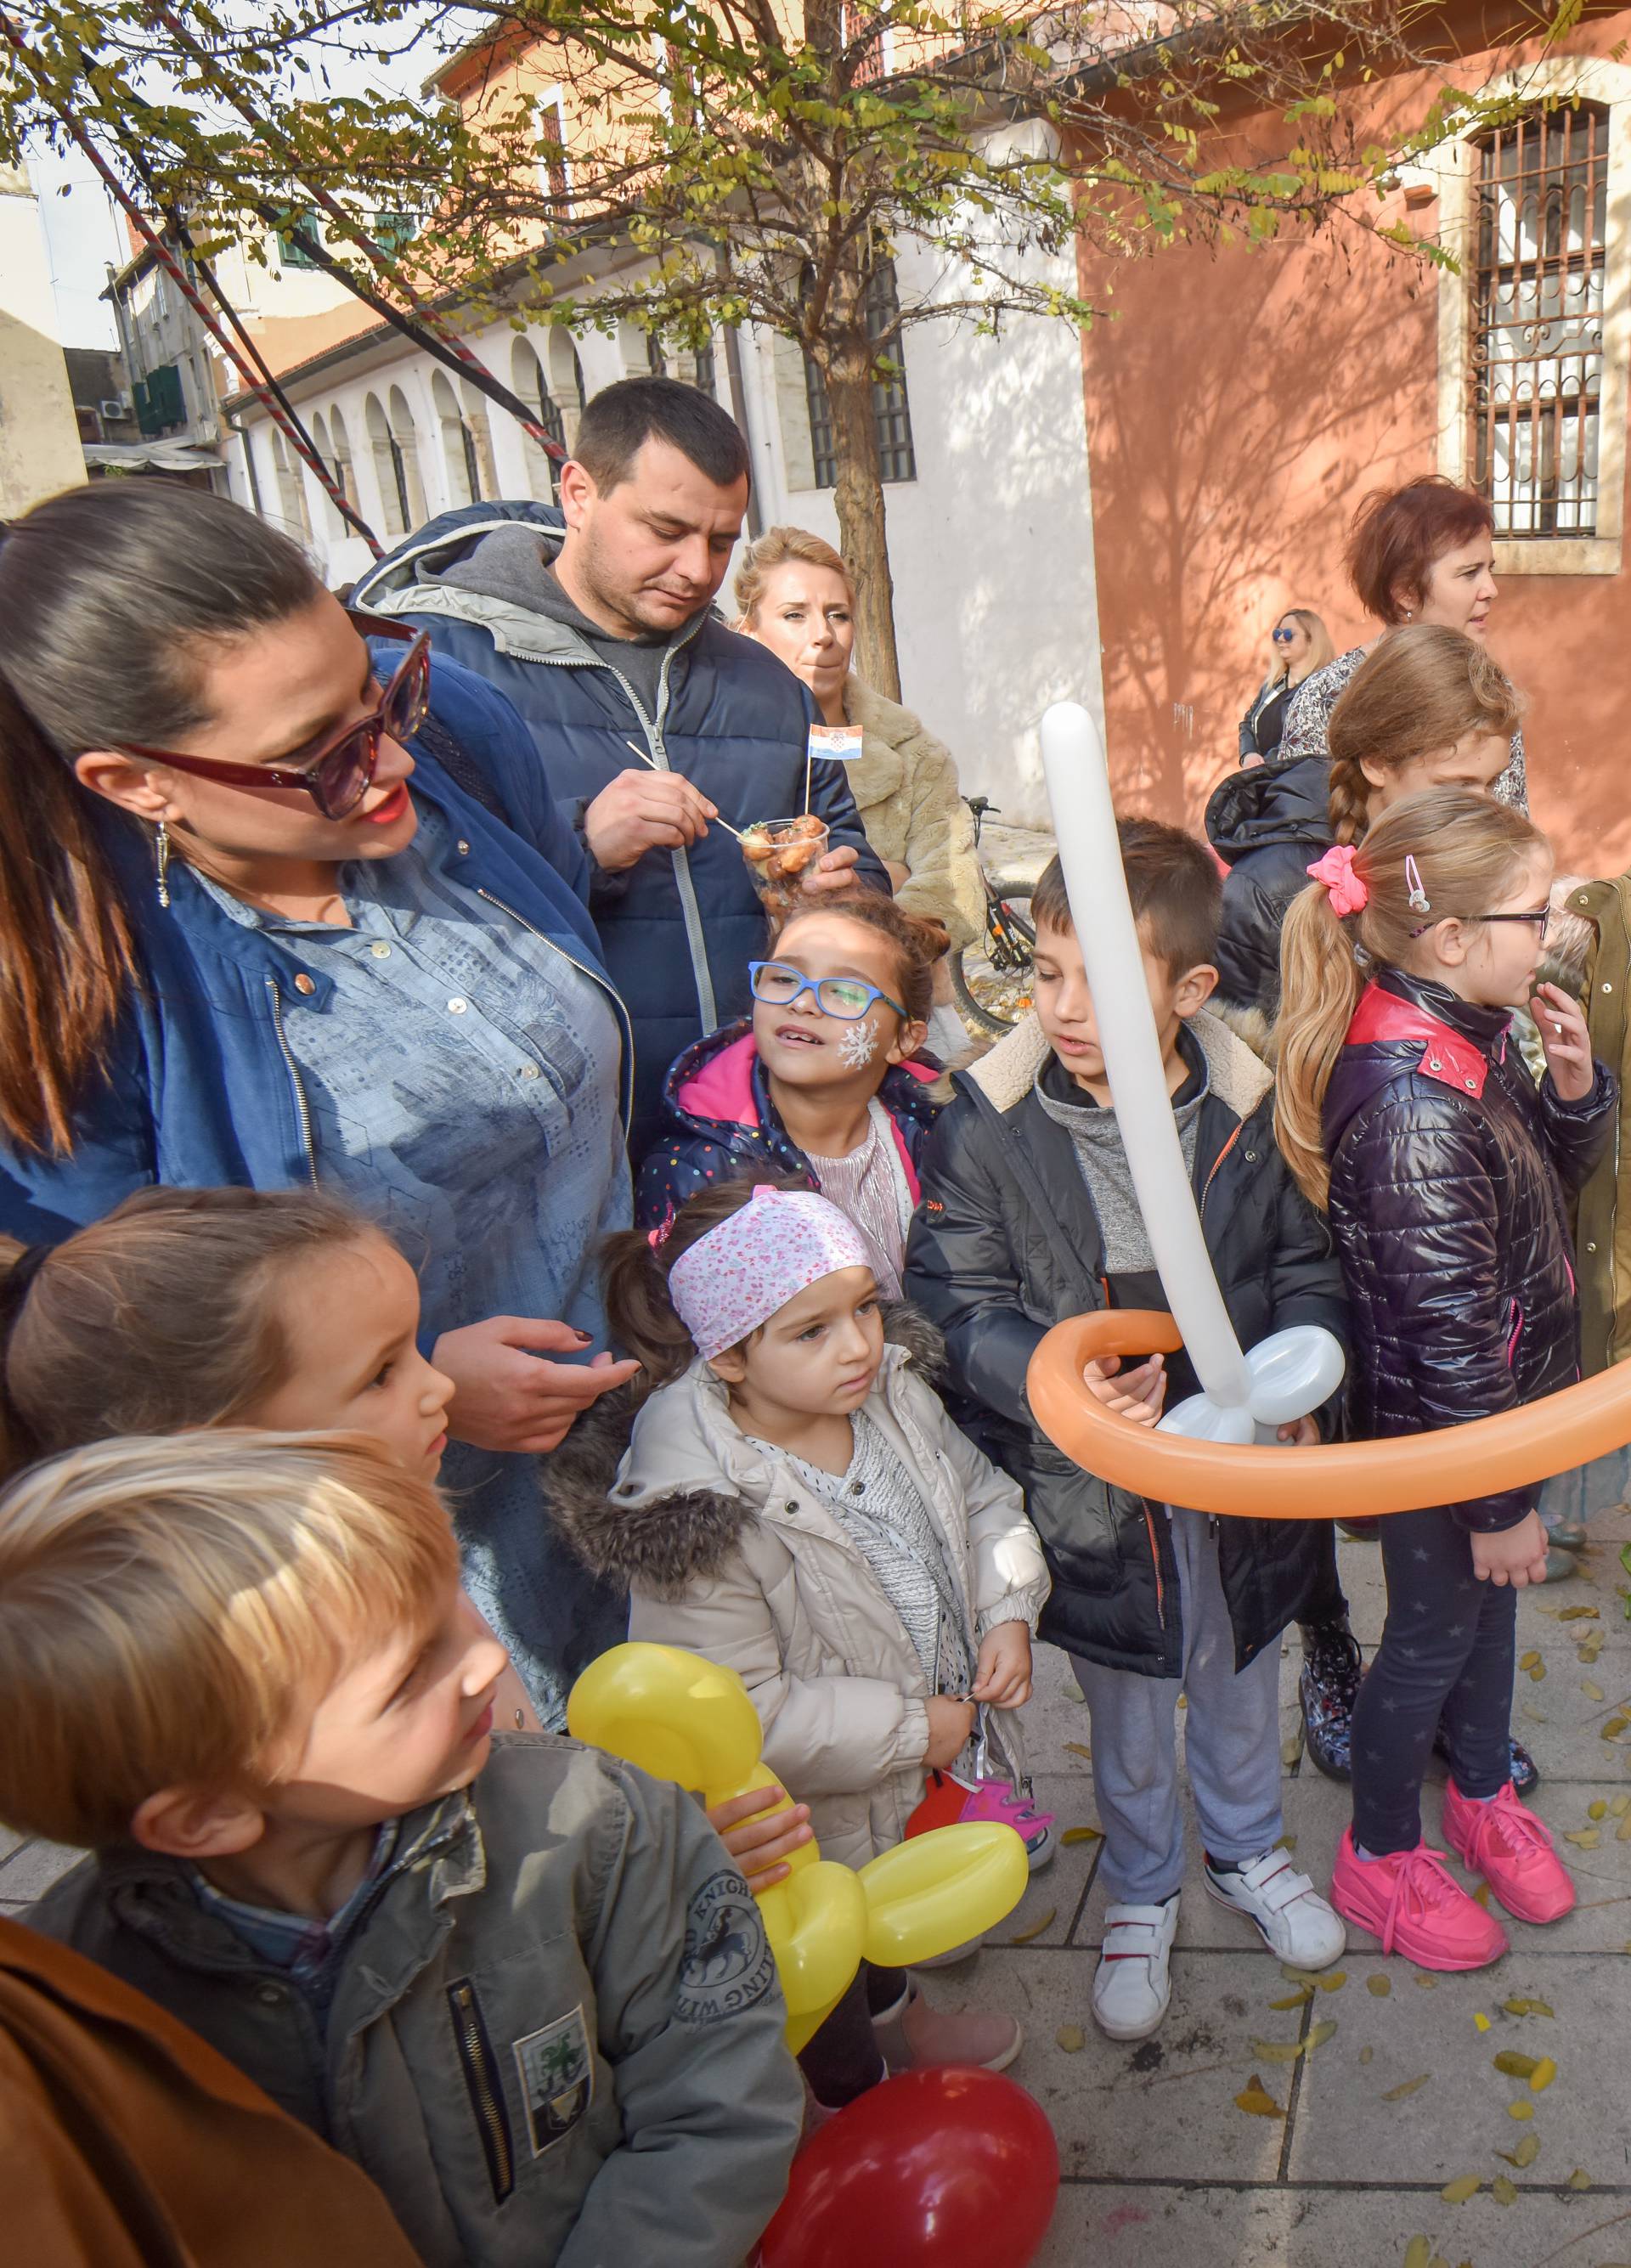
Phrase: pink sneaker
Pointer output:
(1414, 1904)
(999, 1800)
(1512, 1850)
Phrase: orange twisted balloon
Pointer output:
(1346, 1480)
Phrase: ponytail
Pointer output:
(111, 597)
(1320, 985)
(1464, 852)
(634, 1275)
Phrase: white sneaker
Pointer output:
(1131, 1986)
(1294, 1919)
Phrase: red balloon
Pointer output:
(937, 2168)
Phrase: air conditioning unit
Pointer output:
(117, 405)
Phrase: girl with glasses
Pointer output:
(283, 908)
(825, 1079)
(1405, 1115)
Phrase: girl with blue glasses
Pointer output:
(825, 1079)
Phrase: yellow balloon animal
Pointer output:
(681, 1717)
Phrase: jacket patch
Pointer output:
(558, 2078)
(726, 1965)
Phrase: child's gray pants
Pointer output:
(1231, 1740)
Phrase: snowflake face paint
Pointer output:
(858, 1045)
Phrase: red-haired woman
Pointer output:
(1424, 553)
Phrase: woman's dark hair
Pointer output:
(160, 1318)
(918, 939)
(109, 596)
(1399, 534)
(634, 1276)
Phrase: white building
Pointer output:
(40, 450)
(990, 536)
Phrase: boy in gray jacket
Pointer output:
(522, 1985)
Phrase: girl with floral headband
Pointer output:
(1404, 1110)
(795, 1503)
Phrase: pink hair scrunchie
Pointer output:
(1345, 888)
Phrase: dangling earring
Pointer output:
(1410, 614)
(161, 863)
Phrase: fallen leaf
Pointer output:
(1528, 1660)
(1592, 1645)
(1299, 1999)
(1580, 2179)
(1379, 1987)
(1418, 2253)
(1481, 1897)
(1532, 1715)
(1503, 2192)
(1406, 2087)
(1332, 1980)
(1518, 2005)
(1287, 1843)
(1082, 1835)
(1482, 2021)
(1256, 2098)
(1277, 2051)
(1183, 1700)
(1591, 1691)
(1537, 1673)
(1542, 2076)
(1598, 1810)
(1520, 2110)
(1427, 1983)
(1517, 2065)
(1623, 1832)
(1077, 1749)
(1309, 1976)
(1366, 2053)
(1070, 2037)
(1025, 1936)
(1462, 2188)
(1583, 1838)
(1620, 1804)
(1318, 2033)
(1291, 1749)
(1577, 1614)
(1527, 2151)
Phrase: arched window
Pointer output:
(457, 462)
(290, 490)
(527, 377)
(478, 455)
(566, 383)
(1539, 269)
(388, 470)
(405, 456)
(332, 520)
(344, 471)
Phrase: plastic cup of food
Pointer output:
(780, 851)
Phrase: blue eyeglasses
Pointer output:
(847, 998)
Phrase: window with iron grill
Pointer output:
(891, 411)
(1540, 219)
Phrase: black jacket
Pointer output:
(1268, 825)
(1007, 1244)
(1448, 1211)
(1265, 721)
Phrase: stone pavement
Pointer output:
(1161, 2169)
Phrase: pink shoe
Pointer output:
(1414, 1904)
(1512, 1850)
(999, 1800)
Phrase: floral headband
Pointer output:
(735, 1277)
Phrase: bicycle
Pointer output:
(991, 977)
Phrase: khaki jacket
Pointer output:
(556, 2035)
(905, 788)
(726, 1550)
(126, 2142)
(1603, 1211)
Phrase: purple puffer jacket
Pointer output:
(1448, 1167)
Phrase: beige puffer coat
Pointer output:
(727, 1551)
(905, 788)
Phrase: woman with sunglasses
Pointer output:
(278, 907)
(1299, 643)
(823, 1079)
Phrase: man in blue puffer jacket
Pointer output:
(651, 716)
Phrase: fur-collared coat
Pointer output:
(727, 1550)
(906, 791)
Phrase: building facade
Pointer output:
(40, 450)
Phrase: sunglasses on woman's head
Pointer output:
(340, 774)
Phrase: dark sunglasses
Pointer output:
(341, 774)
(1282, 637)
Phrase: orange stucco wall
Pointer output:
(1239, 405)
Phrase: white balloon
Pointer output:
(1292, 1372)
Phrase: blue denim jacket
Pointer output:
(200, 1087)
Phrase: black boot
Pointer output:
(1327, 1689)
(1525, 1770)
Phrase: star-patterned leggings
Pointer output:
(1446, 1651)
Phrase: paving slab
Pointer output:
(32, 1868)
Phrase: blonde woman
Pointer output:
(794, 594)
(1299, 643)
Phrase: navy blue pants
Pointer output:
(1446, 1653)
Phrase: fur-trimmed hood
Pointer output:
(658, 1497)
(1236, 1076)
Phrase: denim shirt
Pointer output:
(461, 1087)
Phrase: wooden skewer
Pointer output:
(646, 758)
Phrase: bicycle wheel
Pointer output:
(991, 977)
